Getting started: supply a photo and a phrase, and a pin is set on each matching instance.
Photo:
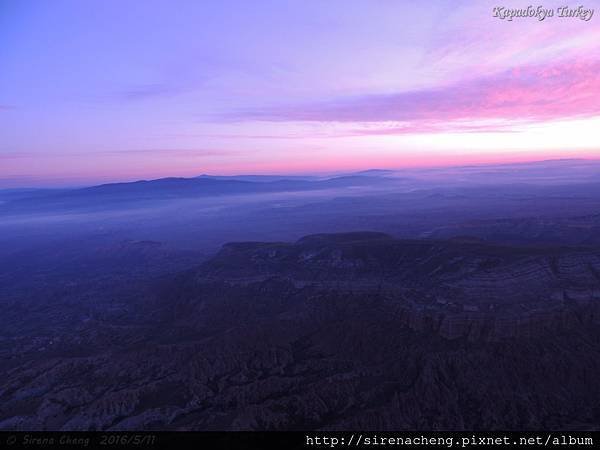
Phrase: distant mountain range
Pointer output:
(115, 194)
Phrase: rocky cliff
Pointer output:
(351, 331)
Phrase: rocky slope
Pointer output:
(349, 331)
(459, 288)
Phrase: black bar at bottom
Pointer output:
(298, 440)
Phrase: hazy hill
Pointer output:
(144, 192)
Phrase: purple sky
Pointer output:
(116, 90)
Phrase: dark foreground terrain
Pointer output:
(334, 331)
(473, 302)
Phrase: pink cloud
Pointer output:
(525, 94)
(425, 127)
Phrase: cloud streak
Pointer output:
(149, 91)
(148, 153)
(527, 94)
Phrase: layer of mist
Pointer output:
(200, 303)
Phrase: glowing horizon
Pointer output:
(120, 91)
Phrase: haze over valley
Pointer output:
(257, 303)
(293, 215)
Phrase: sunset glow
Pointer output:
(95, 92)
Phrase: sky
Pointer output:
(117, 90)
